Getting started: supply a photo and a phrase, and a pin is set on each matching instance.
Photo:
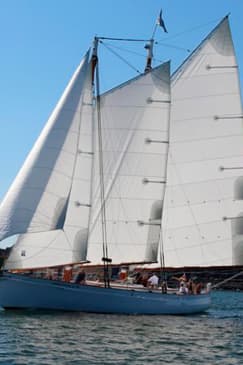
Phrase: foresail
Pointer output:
(204, 197)
(39, 250)
(50, 198)
(135, 123)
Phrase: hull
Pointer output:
(18, 291)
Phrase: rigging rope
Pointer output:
(121, 58)
(191, 29)
(135, 53)
(102, 186)
(124, 39)
(172, 46)
(226, 280)
(127, 50)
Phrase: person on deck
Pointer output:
(183, 288)
(80, 279)
(138, 279)
(190, 286)
(181, 278)
(153, 281)
(144, 280)
(198, 288)
(67, 274)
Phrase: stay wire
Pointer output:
(127, 50)
(134, 53)
(102, 187)
(121, 58)
(226, 280)
(160, 44)
(190, 30)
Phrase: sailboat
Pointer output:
(93, 188)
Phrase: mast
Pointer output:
(95, 68)
(149, 48)
(161, 243)
(135, 113)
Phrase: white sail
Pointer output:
(135, 123)
(204, 199)
(50, 197)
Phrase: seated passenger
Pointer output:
(183, 289)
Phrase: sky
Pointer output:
(43, 41)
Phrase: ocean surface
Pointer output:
(52, 338)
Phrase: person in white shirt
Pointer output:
(153, 281)
(183, 289)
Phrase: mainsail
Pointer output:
(203, 221)
(135, 132)
(49, 201)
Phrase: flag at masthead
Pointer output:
(161, 22)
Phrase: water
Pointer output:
(49, 338)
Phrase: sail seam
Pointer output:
(145, 107)
(137, 153)
(57, 171)
(207, 75)
(205, 117)
(212, 180)
(202, 243)
(196, 97)
(206, 160)
(134, 129)
(203, 139)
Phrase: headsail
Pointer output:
(204, 199)
(50, 197)
(135, 123)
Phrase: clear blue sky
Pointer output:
(42, 42)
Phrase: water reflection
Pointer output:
(76, 338)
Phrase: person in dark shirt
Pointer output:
(80, 279)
